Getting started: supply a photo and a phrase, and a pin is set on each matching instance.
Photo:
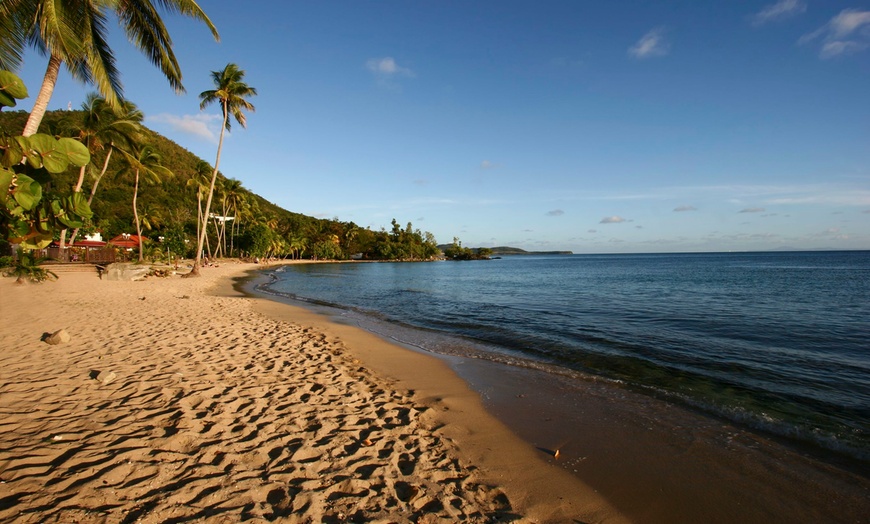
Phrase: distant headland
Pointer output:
(506, 250)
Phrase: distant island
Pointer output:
(455, 251)
(505, 250)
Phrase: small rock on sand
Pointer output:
(106, 376)
(58, 337)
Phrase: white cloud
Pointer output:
(685, 208)
(592, 231)
(387, 67)
(612, 220)
(752, 210)
(206, 126)
(779, 10)
(848, 32)
(555, 213)
(651, 44)
(486, 164)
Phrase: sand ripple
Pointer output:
(216, 413)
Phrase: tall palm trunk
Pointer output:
(136, 217)
(76, 189)
(224, 229)
(44, 96)
(217, 235)
(94, 188)
(217, 163)
(198, 211)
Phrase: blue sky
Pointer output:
(596, 127)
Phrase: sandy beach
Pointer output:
(182, 400)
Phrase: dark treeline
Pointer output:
(168, 208)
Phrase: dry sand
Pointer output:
(225, 408)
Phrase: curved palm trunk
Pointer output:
(76, 189)
(94, 188)
(199, 211)
(217, 233)
(224, 229)
(44, 96)
(136, 217)
(196, 262)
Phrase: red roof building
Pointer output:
(127, 241)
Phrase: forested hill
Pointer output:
(504, 250)
(261, 226)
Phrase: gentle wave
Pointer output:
(776, 341)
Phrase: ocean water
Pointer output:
(776, 341)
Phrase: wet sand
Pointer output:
(656, 462)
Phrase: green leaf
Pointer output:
(27, 192)
(75, 151)
(70, 223)
(6, 178)
(18, 230)
(62, 216)
(37, 241)
(6, 100)
(78, 204)
(13, 85)
(41, 143)
(44, 218)
(13, 151)
(43, 151)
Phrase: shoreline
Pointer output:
(675, 463)
(228, 407)
(178, 399)
(545, 492)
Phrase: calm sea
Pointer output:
(776, 341)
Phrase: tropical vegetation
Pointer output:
(455, 251)
(26, 268)
(171, 210)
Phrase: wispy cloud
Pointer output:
(387, 72)
(555, 213)
(848, 32)
(685, 208)
(387, 66)
(752, 210)
(778, 11)
(204, 126)
(487, 164)
(651, 44)
(615, 219)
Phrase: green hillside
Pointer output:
(169, 207)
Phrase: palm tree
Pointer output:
(104, 127)
(219, 192)
(231, 93)
(74, 32)
(298, 244)
(233, 198)
(145, 161)
(200, 181)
